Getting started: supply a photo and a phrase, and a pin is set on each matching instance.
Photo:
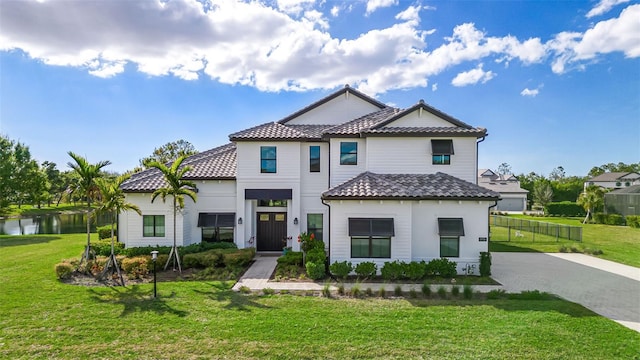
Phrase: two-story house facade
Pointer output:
(374, 182)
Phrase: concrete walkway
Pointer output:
(605, 287)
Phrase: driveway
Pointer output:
(604, 289)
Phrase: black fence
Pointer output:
(559, 231)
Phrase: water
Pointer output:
(50, 224)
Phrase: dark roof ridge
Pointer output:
(422, 105)
(330, 97)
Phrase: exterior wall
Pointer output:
(420, 119)
(130, 223)
(342, 173)
(416, 229)
(337, 111)
(214, 196)
(512, 202)
(413, 155)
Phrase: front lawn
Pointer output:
(41, 318)
(618, 243)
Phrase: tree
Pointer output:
(6, 171)
(177, 188)
(55, 179)
(504, 169)
(527, 182)
(557, 174)
(113, 203)
(169, 152)
(542, 192)
(87, 174)
(591, 199)
(611, 167)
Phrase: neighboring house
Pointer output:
(624, 201)
(375, 183)
(614, 180)
(512, 196)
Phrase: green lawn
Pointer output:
(618, 243)
(29, 210)
(41, 318)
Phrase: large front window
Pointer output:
(371, 237)
(314, 225)
(153, 225)
(348, 153)
(441, 151)
(217, 227)
(267, 159)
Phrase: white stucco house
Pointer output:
(513, 198)
(614, 180)
(374, 182)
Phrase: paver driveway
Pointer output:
(608, 294)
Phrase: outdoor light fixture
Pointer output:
(154, 257)
(295, 221)
(239, 221)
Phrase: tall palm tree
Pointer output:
(87, 173)
(591, 199)
(113, 203)
(177, 188)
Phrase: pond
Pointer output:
(50, 224)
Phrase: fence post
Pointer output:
(557, 232)
(509, 232)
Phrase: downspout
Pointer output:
(477, 148)
(328, 232)
(495, 203)
(327, 205)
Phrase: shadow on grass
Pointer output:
(18, 240)
(222, 292)
(519, 302)
(135, 300)
(509, 246)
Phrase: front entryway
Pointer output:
(272, 231)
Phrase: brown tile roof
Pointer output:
(218, 163)
(422, 105)
(610, 176)
(277, 131)
(438, 186)
(354, 127)
(425, 131)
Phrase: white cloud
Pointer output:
(529, 92)
(603, 7)
(472, 77)
(294, 7)
(252, 44)
(434, 87)
(335, 11)
(373, 5)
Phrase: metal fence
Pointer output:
(559, 231)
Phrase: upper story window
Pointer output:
(314, 158)
(441, 151)
(349, 153)
(267, 159)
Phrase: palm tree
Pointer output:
(542, 193)
(591, 199)
(113, 203)
(87, 173)
(177, 188)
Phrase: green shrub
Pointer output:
(135, 267)
(315, 271)
(415, 270)
(356, 292)
(268, 291)
(366, 269)
(397, 291)
(426, 290)
(317, 256)
(64, 270)
(211, 258)
(442, 292)
(326, 290)
(382, 292)
(368, 291)
(287, 271)
(563, 249)
(467, 292)
(239, 258)
(599, 218)
(103, 247)
(614, 219)
(442, 267)
(531, 295)
(564, 208)
(161, 260)
(455, 290)
(291, 258)
(341, 289)
(633, 221)
(245, 289)
(392, 270)
(496, 294)
(341, 269)
(104, 232)
(146, 250)
(485, 263)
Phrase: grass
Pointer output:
(618, 243)
(29, 210)
(41, 318)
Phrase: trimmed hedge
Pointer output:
(341, 269)
(103, 247)
(104, 232)
(612, 219)
(564, 208)
(291, 258)
(633, 221)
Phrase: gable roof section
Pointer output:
(510, 187)
(438, 186)
(330, 97)
(277, 131)
(634, 189)
(354, 127)
(421, 105)
(610, 176)
(215, 164)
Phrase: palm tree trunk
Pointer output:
(174, 250)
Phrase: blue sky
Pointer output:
(556, 83)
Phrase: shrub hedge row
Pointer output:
(564, 208)
(616, 219)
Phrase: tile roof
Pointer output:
(354, 127)
(633, 189)
(277, 131)
(438, 186)
(503, 187)
(610, 176)
(422, 105)
(426, 131)
(217, 163)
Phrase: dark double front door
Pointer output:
(272, 231)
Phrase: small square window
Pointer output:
(153, 226)
(441, 151)
(348, 153)
(449, 246)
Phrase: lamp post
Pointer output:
(154, 257)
